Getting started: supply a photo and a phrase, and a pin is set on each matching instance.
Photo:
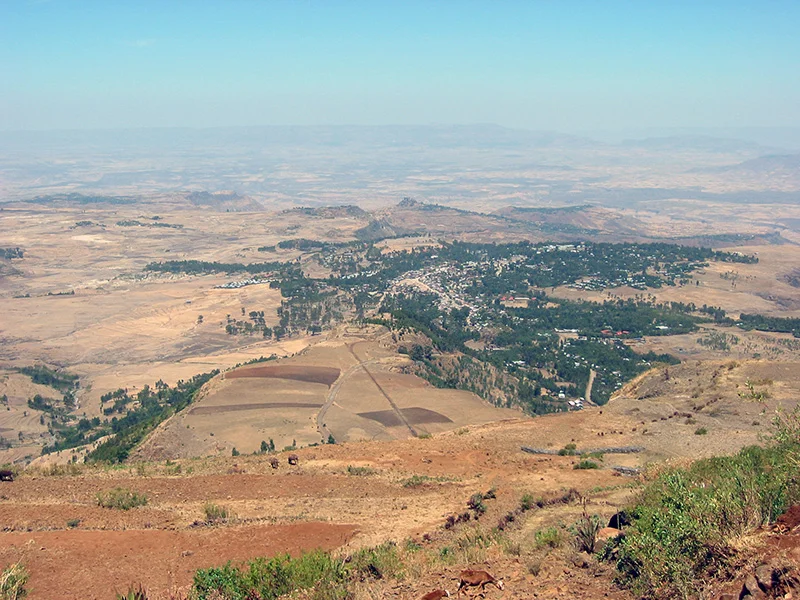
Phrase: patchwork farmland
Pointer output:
(350, 388)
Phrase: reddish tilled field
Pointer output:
(89, 565)
(324, 375)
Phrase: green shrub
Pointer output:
(552, 537)
(586, 464)
(585, 531)
(475, 502)
(12, 582)
(686, 519)
(378, 563)
(700, 431)
(121, 498)
(568, 450)
(446, 555)
(73, 523)
(270, 578)
(326, 578)
(527, 502)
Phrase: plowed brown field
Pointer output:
(310, 374)
(93, 565)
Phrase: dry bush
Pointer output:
(216, 513)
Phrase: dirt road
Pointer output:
(589, 384)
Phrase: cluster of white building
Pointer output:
(235, 285)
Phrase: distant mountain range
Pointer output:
(777, 163)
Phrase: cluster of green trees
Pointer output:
(120, 399)
(522, 345)
(151, 407)
(764, 323)
(420, 312)
(624, 318)
(39, 402)
(549, 265)
(299, 315)
(60, 380)
(154, 406)
(202, 267)
(307, 244)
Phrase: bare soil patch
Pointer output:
(88, 565)
(790, 519)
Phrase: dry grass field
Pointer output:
(80, 300)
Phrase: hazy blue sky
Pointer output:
(556, 64)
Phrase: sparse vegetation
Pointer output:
(700, 431)
(11, 253)
(720, 341)
(360, 471)
(121, 499)
(752, 393)
(586, 464)
(476, 503)
(420, 480)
